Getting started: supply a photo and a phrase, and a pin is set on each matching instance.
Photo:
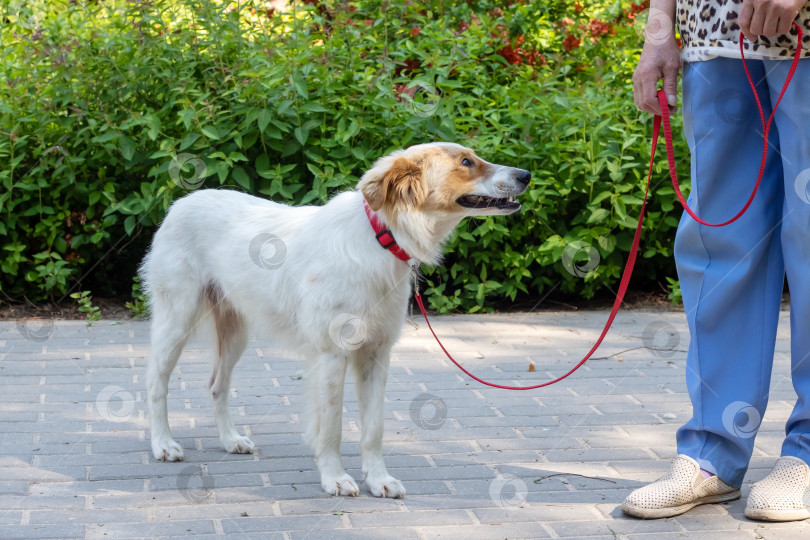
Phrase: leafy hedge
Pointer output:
(106, 107)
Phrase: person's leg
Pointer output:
(793, 120)
(784, 495)
(731, 277)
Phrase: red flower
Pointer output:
(462, 26)
(400, 89)
(516, 54)
(510, 55)
(599, 28)
(577, 7)
(570, 43)
(416, 30)
(635, 9)
(411, 64)
(533, 58)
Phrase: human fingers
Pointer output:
(649, 91)
(758, 19)
(744, 19)
(636, 92)
(786, 18)
(784, 26)
(671, 85)
(644, 84)
(771, 23)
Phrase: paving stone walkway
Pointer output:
(477, 463)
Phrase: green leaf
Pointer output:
(241, 177)
(129, 225)
(301, 135)
(186, 116)
(607, 243)
(313, 108)
(309, 197)
(188, 140)
(154, 126)
(127, 147)
(263, 119)
(300, 85)
(599, 215)
(210, 132)
(107, 136)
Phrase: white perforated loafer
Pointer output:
(783, 495)
(678, 491)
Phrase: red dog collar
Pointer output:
(384, 236)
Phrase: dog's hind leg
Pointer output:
(231, 343)
(371, 373)
(173, 320)
(325, 382)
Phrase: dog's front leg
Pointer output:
(371, 374)
(325, 381)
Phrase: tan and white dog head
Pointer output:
(423, 192)
(442, 178)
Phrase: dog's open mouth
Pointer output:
(482, 201)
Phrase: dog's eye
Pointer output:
(466, 162)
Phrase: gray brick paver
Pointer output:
(573, 529)
(413, 518)
(486, 531)
(63, 530)
(378, 533)
(234, 536)
(721, 522)
(719, 535)
(140, 529)
(282, 523)
(69, 471)
(771, 532)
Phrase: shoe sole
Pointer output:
(761, 514)
(657, 513)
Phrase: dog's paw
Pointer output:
(340, 485)
(239, 445)
(385, 486)
(167, 450)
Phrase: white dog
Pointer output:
(319, 279)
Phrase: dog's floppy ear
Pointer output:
(393, 180)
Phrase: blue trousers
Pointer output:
(732, 277)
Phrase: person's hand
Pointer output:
(767, 17)
(659, 60)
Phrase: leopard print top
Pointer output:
(709, 29)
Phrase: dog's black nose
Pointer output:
(523, 176)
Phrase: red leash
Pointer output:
(766, 126)
(631, 258)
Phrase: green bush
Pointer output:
(107, 107)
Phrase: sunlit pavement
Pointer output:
(476, 462)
